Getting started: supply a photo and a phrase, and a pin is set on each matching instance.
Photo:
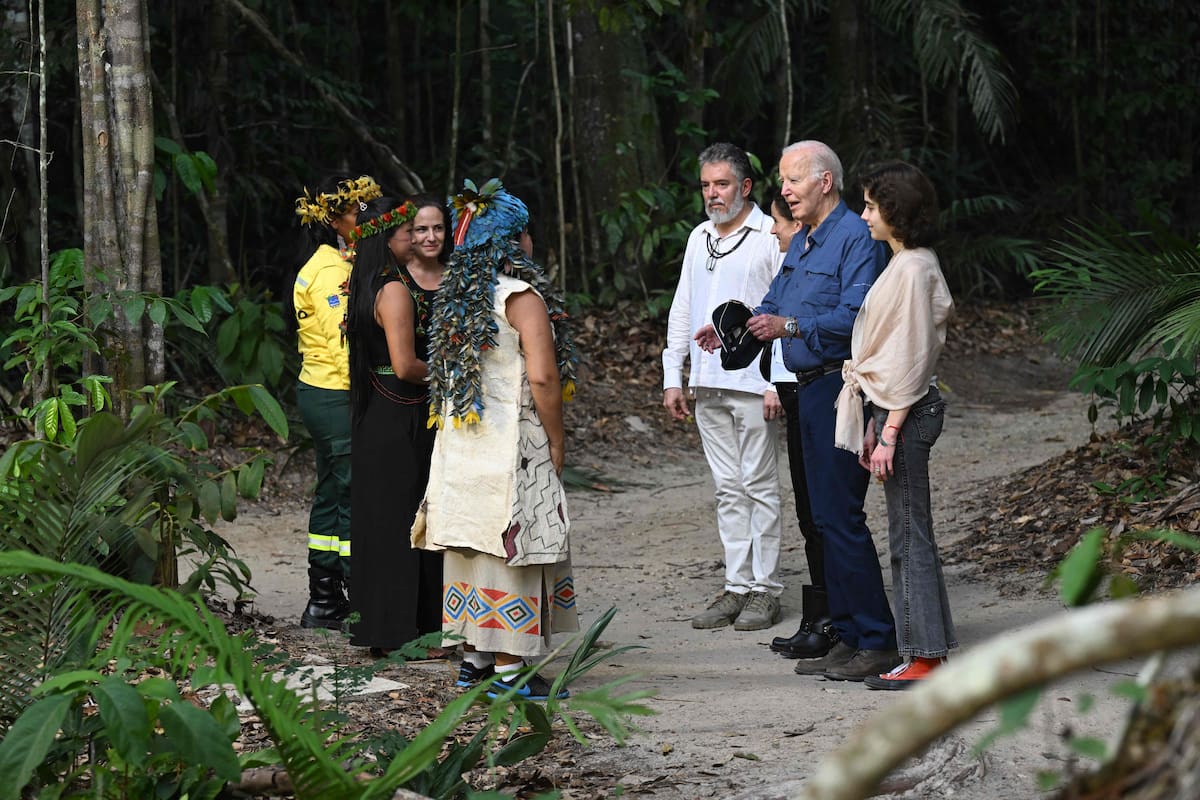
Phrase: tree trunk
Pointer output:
(616, 120)
(691, 118)
(848, 74)
(216, 216)
(399, 93)
(120, 225)
(18, 171)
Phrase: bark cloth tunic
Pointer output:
(497, 509)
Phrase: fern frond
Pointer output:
(191, 634)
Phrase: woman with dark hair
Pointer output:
(816, 635)
(323, 387)
(397, 589)
(501, 362)
(898, 335)
(431, 244)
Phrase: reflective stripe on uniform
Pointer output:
(330, 544)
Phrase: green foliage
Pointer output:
(195, 171)
(1127, 306)
(252, 338)
(977, 261)
(645, 235)
(50, 329)
(145, 738)
(1113, 294)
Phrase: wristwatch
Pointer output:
(790, 326)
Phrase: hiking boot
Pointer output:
(863, 664)
(469, 674)
(761, 611)
(722, 611)
(908, 674)
(536, 688)
(838, 655)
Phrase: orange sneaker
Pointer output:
(911, 672)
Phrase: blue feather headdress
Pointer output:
(487, 224)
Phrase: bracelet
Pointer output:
(893, 427)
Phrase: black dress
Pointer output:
(396, 590)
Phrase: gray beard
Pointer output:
(721, 217)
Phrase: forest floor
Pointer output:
(1013, 477)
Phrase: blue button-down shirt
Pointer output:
(823, 285)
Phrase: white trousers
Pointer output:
(743, 452)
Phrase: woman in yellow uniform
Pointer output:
(323, 387)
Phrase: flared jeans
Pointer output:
(922, 610)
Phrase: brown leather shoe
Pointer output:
(840, 654)
(862, 664)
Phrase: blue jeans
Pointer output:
(923, 624)
(837, 486)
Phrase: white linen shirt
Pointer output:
(744, 274)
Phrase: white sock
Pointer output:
(477, 659)
(509, 670)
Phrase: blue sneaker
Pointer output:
(536, 688)
(469, 674)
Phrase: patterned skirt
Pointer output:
(499, 608)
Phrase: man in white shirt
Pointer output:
(732, 256)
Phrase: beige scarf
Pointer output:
(898, 335)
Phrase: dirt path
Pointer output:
(732, 719)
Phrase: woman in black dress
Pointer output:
(396, 590)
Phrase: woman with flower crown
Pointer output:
(501, 363)
(323, 388)
(397, 590)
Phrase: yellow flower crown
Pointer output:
(385, 221)
(326, 205)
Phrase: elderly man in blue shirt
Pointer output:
(811, 306)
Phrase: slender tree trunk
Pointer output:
(451, 178)
(692, 114)
(121, 245)
(848, 73)
(399, 92)
(558, 137)
(486, 121)
(576, 177)
(216, 215)
(19, 250)
(46, 386)
(785, 81)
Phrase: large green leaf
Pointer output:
(124, 713)
(28, 742)
(199, 739)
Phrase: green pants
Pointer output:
(326, 414)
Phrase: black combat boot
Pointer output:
(816, 636)
(327, 604)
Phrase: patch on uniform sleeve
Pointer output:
(303, 284)
(334, 300)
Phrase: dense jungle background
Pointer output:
(150, 157)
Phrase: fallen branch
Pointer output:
(1001, 668)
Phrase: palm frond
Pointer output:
(947, 43)
(1113, 294)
